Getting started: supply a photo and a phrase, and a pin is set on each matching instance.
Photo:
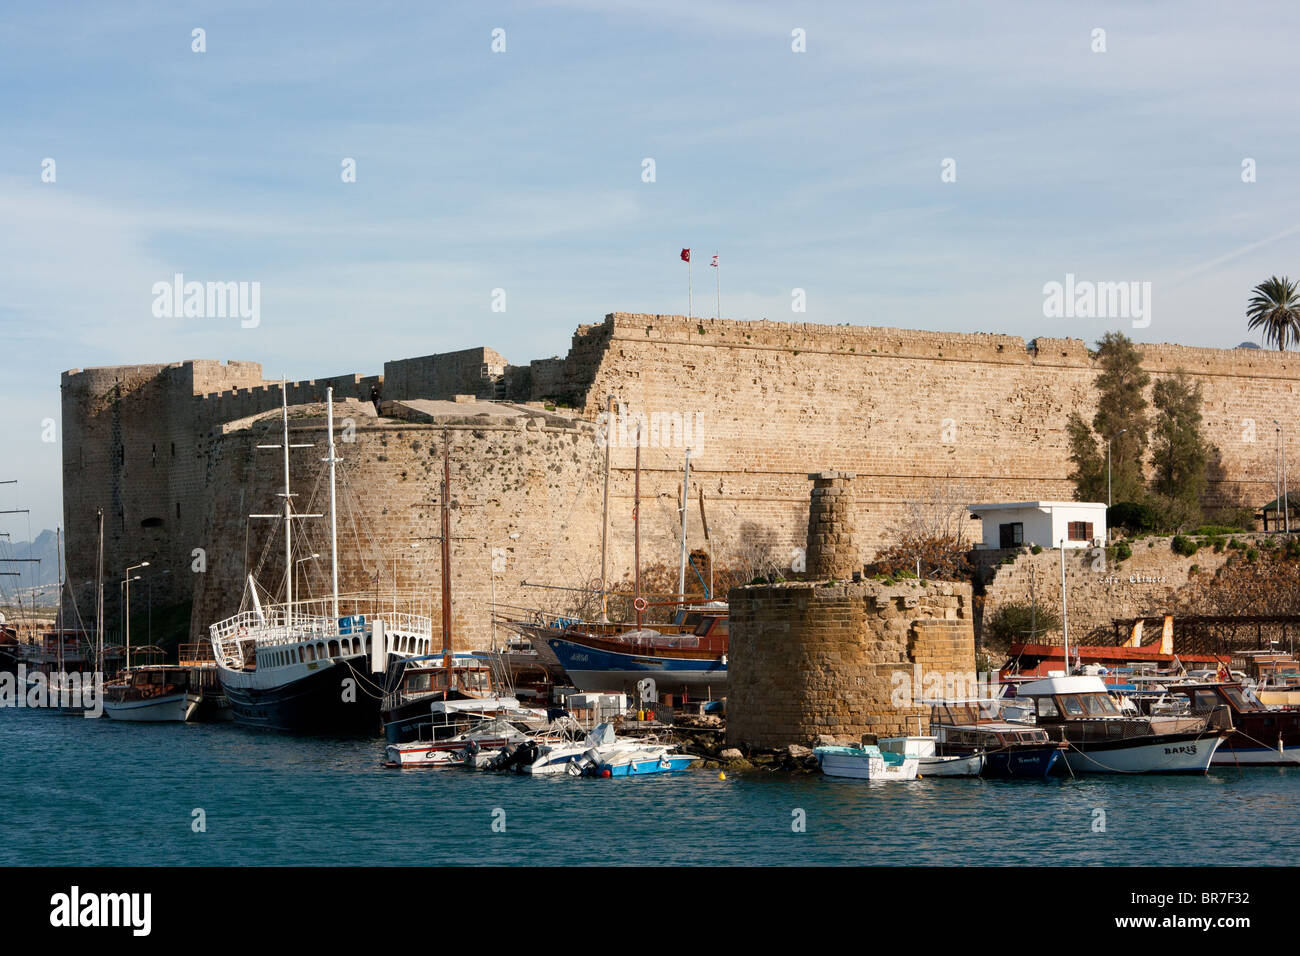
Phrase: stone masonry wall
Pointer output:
(809, 660)
(763, 402)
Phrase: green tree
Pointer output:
(1179, 453)
(1089, 475)
(1275, 309)
(1121, 418)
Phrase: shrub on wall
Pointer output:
(1184, 545)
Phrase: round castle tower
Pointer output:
(829, 657)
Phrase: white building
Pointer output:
(1046, 523)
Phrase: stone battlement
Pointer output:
(904, 410)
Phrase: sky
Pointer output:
(828, 169)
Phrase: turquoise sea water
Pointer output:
(95, 792)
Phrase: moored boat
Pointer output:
(966, 728)
(313, 666)
(1079, 712)
(929, 762)
(868, 762)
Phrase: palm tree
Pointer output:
(1275, 308)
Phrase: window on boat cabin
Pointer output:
(1071, 706)
(1098, 705)
(1045, 707)
(334, 648)
(1079, 530)
(1204, 700)
(1237, 697)
(1011, 534)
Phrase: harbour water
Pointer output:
(95, 792)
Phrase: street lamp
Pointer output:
(127, 607)
(1109, 502)
(1283, 496)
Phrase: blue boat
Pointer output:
(640, 763)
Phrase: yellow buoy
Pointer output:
(722, 775)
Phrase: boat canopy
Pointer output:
(1051, 686)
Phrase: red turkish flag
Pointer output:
(686, 255)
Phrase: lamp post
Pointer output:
(1279, 481)
(1109, 502)
(127, 608)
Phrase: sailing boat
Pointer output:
(689, 654)
(306, 666)
(421, 693)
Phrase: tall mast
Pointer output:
(636, 530)
(1065, 617)
(446, 550)
(604, 517)
(58, 554)
(288, 511)
(334, 530)
(99, 599)
(686, 502)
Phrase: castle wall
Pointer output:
(843, 660)
(908, 410)
(761, 404)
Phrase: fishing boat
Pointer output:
(976, 727)
(189, 690)
(678, 662)
(687, 656)
(930, 763)
(153, 693)
(1079, 712)
(1260, 734)
(313, 666)
(868, 762)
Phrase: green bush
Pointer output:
(1123, 552)
(1184, 545)
(1252, 555)
(1037, 549)
(1020, 622)
(1135, 517)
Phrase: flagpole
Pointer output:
(690, 308)
(717, 264)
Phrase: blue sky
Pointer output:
(522, 170)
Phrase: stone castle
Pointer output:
(169, 452)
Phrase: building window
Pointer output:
(1011, 535)
(1080, 531)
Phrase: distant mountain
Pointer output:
(45, 573)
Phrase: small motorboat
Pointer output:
(484, 739)
(636, 763)
(930, 762)
(866, 763)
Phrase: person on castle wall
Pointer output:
(375, 396)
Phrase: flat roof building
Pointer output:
(1017, 524)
